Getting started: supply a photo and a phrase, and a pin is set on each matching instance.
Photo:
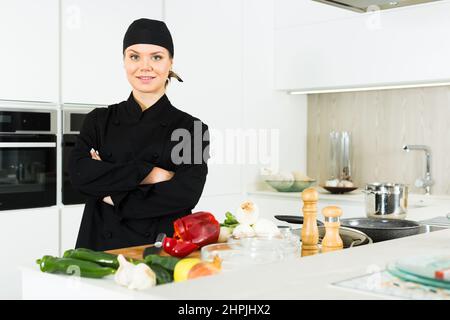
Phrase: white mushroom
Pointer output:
(247, 213)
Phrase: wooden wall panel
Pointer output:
(381, 122)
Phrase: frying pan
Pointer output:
(377, 229)
(294, 219)
(350, 237)
(383, 229)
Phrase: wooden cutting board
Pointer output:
(138, 252)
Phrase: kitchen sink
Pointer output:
(426, 228)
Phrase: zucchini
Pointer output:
(73, 267)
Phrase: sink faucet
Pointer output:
(425, 182)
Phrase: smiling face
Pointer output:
(147, 67)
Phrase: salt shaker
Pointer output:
(332, 240)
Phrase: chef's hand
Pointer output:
(157, 175)
(95, 155)
(108, 200)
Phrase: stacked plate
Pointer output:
(433, 271)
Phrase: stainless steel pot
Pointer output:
(386, 200)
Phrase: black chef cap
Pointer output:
(148, 31)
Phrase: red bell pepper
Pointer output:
(178, 248)
(191, 233)
(200, 228)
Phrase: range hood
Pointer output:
(365, 5)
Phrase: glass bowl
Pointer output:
(290, 186)
(248, 251)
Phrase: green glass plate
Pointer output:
(414, 278)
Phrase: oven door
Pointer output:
(27, 171)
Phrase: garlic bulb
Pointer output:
(138, 277)
(265, 227)
(243, 230)
(247, 213)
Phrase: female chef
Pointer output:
(141, 162)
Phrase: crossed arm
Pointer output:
(156, 175)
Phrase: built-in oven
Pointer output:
(27, 158)
(73, 118)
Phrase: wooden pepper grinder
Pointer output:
(310, 232)
(332, 240)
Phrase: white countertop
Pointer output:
(356, 195)
(420, 207)
(303, 278)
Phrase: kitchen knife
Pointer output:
(157, 246)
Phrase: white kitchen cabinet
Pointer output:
(29, 55)
(92, 37)
(25, 235)
(70, 225)
(405, 46)
(291, 13)
(208, 46)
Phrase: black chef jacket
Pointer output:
(130, 143)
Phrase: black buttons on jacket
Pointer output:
(108, 234)
(163, 124)
(116, 122)
(155, 157)
(148, 234)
